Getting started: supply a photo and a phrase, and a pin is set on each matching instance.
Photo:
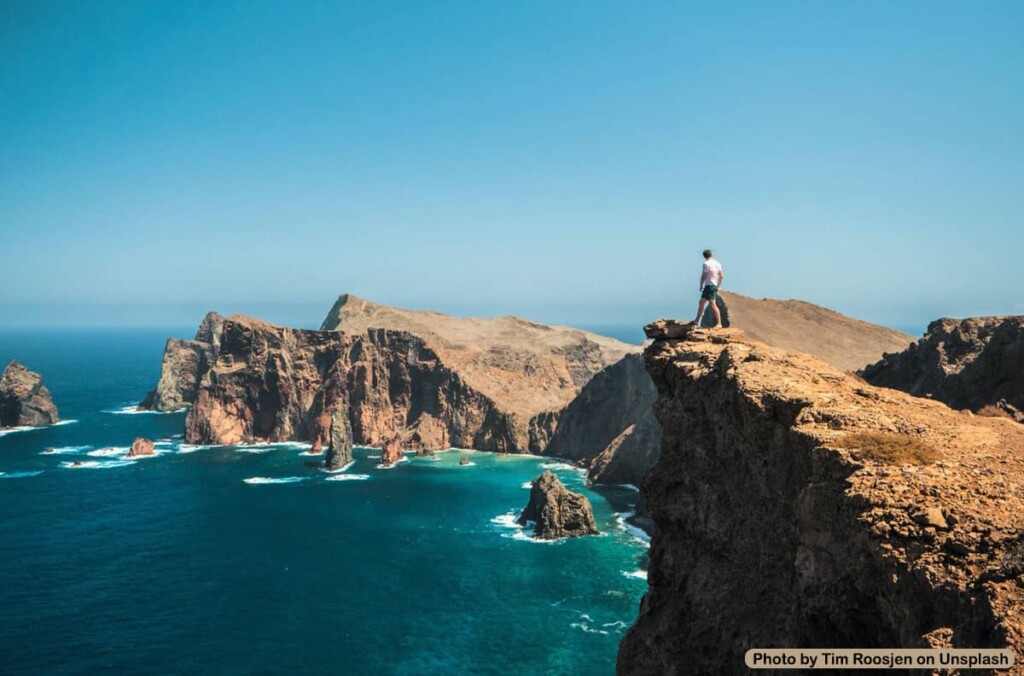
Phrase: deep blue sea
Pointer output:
(221, 560)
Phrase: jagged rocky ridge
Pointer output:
(768, 534)
(968, 364)
(556, 512)
(24, 400)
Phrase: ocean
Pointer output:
(221, 560)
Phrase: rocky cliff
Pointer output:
(557, 512)
(24, 400)
(271, 383)
(796, 505)
(184, 363)
(968, 364)
(610, 425)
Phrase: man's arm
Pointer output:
(721, 279)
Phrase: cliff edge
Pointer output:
(798, 506)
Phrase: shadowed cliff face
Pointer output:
(24, 400)
(768, 534)
(184, 363)
(967, 363)
(270, 383)
(610, 425)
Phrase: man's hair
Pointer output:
(707, 253)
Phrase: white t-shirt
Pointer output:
(712, 273)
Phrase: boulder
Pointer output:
(391, 452)
(141, 447)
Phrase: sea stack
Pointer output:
(556, 511)
(339, 453)
(141, 447)
(24, 400)
(392, 451)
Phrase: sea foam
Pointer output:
(348, 477)
(259, 480)
(19, 475)
(65, 450)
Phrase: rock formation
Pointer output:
(968, 364)
(339, 450)
(24, 400)
(271, 383)
(391, 451)
(610, 426)
(140, 447)
(557, 512)
(184, 363)
(463, 460)
(773, 529)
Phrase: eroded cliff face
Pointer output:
(769, 534)
(968, 363)
(271, 383)
(184, 364)
(24, 400)
(610, 426)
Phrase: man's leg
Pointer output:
(718, 314)
(700, 311)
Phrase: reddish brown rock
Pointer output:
(463, 460)
(141, 447)
(391, 452)
(770, 532)
(24, 400)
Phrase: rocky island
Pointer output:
(24, 400)
(796, 505)
(557, 512)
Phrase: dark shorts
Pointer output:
(710, 292)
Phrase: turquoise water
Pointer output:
(177, 564)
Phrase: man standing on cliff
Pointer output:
(710, 280)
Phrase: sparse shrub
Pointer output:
(993, 411)
(895, 449)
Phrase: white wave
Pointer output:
(134, 409)
(618, 624)
(65, 450)
(510, 520)
(340, 469)
(373, 457)
(191, 448)
(586, 628)
(253, 449)
(467, 464)
(630, 487)
(19, 475)
(528, 484)
(560, 465)
(279, 480)
(637, 574)
(111, 451)
(29, 428)
(640, 534)
(381, 465)
(310, 452)
(95, 464)
(348, 477)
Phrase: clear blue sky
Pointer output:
(566, 161)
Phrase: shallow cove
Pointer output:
(177, 563)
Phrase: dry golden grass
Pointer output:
(895, 449)
(990, 411)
